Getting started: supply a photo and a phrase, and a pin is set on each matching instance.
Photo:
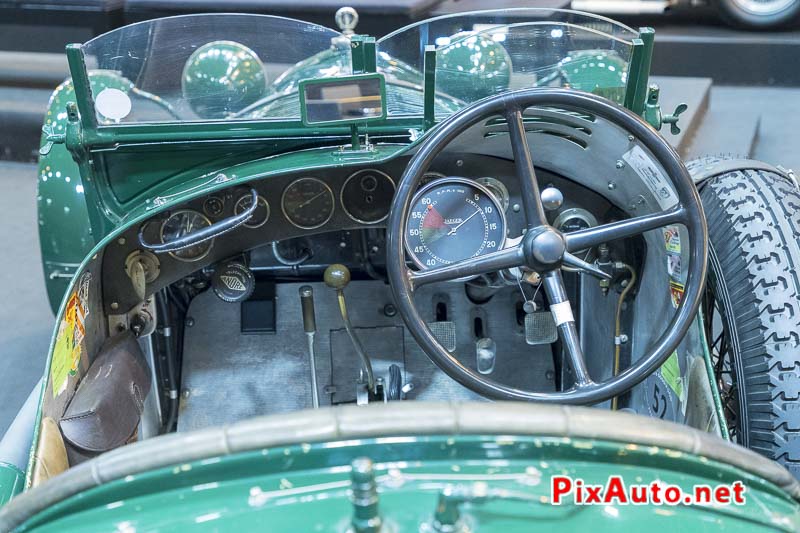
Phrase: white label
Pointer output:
(562, 313)
(113, 104)
(652, 176)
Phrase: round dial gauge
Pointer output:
(367, 195)
(261, 214)
(576, 219)
(307, 203)
(453, 219)
(213, 206)
(182, 223)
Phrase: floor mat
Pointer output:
(228, 376)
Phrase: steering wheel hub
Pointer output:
(544, 248)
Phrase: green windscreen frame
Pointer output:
(357, 99)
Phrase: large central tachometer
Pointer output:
(453, 219)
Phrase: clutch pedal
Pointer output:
(540, 328)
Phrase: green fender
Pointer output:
(65, 235)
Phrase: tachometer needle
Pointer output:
(311, 199)
(453, 230)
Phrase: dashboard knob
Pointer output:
(233, 282)
(552, 198)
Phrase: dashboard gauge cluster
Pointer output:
(367, 195)
(182, 223)
(308, 203)
(453, 219)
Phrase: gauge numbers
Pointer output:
(259, 216)
(307, 203)
(453, 219)
(182, 223)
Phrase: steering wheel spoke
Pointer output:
(529, 187)
(475, 266)
(561, 310)
(587, 238)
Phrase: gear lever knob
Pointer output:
(337, 276)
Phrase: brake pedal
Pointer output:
(540, 328)
(445, 333)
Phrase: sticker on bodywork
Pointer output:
(69, 340)
(652, 176)
(664, 391)
(676, 293)
(672, 245)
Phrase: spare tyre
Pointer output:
(752, 308)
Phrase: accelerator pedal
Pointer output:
(445, 333)
(540, 328)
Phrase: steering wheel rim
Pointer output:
(540, 244)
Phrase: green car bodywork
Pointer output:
(99, 178)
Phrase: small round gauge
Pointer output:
(497, 188)
(182, 223)
(367, 195)
(213, 206)
(307, 203)
(261, 214)
(576, 219)
(453, 219)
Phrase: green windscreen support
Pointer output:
(363, 54)
(429, 94)
(83, 89)
(639, 70)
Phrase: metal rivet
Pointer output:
(189, 322)
(611, 185)
(114, 305)
(121, 240)
(515, 208)
(620, 163)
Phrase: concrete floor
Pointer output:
(26, 322)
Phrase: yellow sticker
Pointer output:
(69, 340)
(676, 293)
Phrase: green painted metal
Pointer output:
(306, 488)
(82, 85)
(12, 481)
(647, 35)
(429, 113)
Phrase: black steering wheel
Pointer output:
(544, 249)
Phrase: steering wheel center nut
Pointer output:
(544, 248)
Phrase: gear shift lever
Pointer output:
(337, 277)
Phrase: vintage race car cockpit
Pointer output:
(272, 216)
